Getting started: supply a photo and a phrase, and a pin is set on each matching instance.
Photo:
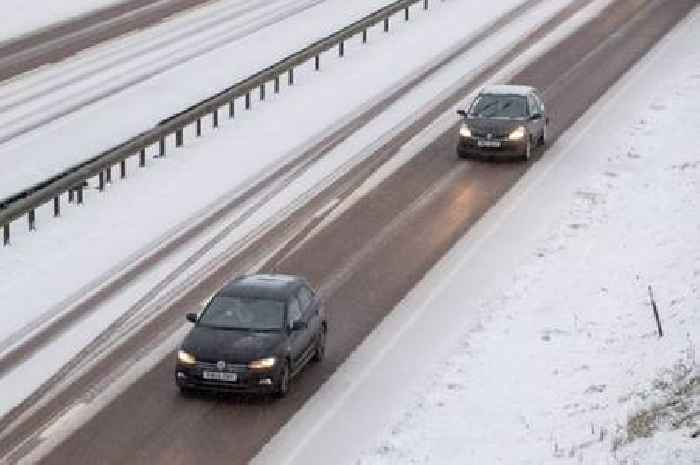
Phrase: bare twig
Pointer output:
(656, 311)
(690, 416)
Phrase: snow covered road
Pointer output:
(65, 114)
(455, 188)
(549, 350)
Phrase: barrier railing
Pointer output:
(73, 180)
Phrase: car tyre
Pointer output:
(185, 391)
(543, 139)
(527, 153)
(283, 386)
(320, 352)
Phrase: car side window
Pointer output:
(540, 103)
(305, 299)
(293, 311)
(532, 103)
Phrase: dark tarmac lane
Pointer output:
(366, 260)
(50, 45)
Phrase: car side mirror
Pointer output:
(298, 325)
(191, 317)
(462, 113)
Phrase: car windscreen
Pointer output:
(499, 106)
(227, 312)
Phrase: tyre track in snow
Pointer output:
(59, 41)
(410, 219)
(26, 342)
(342, 189)
(31, 112)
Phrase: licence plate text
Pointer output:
(489, 143)
(220, 376)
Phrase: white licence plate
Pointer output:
(489, 143)
(220, 376)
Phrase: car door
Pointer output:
(298, 339)
(536, 108)
(532, 110)
(310, 307)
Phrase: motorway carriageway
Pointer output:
(60, 41)
(359, 260)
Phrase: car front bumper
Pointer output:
(469, 146)
(247, 380)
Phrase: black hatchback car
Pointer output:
(503, 120)
(254, 335)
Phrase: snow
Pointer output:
(21, 17)
(118, 90)
(545, 351)
(50, 271)
(532, 341)
(506, 89)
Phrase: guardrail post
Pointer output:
(341, 48)
(232, 108)
(57, 206)
(179, 137)
(198, 127)
(406, 14)
(291, 76)
(101, 181)
(215, 118)
(108, 171)
(386, 24)
(122, 169)
(317, 62)
(6, 234)
(161, 147)
(247, 100)
(277, 84)
(262, 91)
(31, 216)
(80, 195)
(364, 36)
(142, 158)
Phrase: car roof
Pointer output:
(506, 89)
(263, 286)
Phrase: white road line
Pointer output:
(77, 417)
(286, 447)
(410, 148)
(328, 207)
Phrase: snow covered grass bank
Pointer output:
(567, 363)
(537, 329)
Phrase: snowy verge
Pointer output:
(540, 343)
(51, 270)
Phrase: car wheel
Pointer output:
(320, 345)
(543, 139)
(186, 392)
(283, 386)
(527, 153)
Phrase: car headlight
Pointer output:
(262, 363)
(518, 134)
(464, 131)
(186, 358)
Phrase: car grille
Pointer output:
(238, 367)
(494, 135)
